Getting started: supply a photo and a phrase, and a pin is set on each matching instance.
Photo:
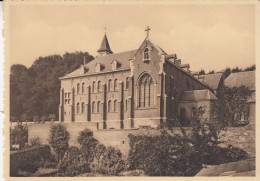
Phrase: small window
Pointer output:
(77, 108)
(98, 68)
(146, 54)
(93, 107)
(82, 107)
(114, 65)
(99, 86)
(115, 106)
(115, 84)
(109, 85)
(98, 106)
(125, 105)
(127, 83)
(78, 87)
(94, 87)
(109, 106)
(83, 88)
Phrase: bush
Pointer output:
(19, 135)
(59, 140)
(35, 141)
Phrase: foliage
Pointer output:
(211, 72)
(35, 141)
(232, 104)
(202, 72)
(35, 90)
(252, 68)
(19, 135)
(59, 138)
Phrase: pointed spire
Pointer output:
(104, 47)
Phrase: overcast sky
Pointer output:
(205, 36)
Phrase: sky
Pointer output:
(209, 37)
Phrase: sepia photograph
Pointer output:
(130, 89)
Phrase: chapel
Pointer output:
(142, 88)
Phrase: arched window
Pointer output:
(125, 105)
(193, 112)
(109, 85)
(83, 88)
(93, 86)
(115, 105)
(77, 108)
(146, 91)
(93, 106)
(82, 107)
(98, 106)
(99, 86)
(109, 106)
(78, 85)
(146, 54)
(127, 83)
(115, 84)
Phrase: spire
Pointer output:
(104, 47)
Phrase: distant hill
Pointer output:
(35, 90)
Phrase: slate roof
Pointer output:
(241, 78)
(240, 168)
(106, 61)
(212, 80)
(104, 47)
(197, 95)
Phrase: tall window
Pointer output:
(115, 106)
(98, 106)
(82, 107)
(83, 88)
(109, 106)
(99, 86)
(78, 85)
(93, 106)
(127, 83)
(115, 84)
(125, 105)
(109, 85)
(146, 91)
(146, 54)
(77, 107)
(93, 86)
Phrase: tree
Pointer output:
(36, 118)
(202, 72)
(236, 70)
(211, 72)
(19, 135)
(252, 68)
(59, 140)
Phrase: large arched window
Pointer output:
(98, 106)
(146, 54)
(146, 91)
(83, 88)
(99, 86)
(127, 83)
(93, 106)
(109, 106)
(109, 85)
(82, 107)
(78, 85)
(93, 86)
(115, 105)
(115, 84)
(77, 108)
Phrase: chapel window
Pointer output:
(78, 87)
(82, 107)
(127, 83)
(93, 86)
(146, 91)
(83, 88)
(146, 54)
(99, 86)
(115, 106)
(115, 84)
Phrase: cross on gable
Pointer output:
(147, 30)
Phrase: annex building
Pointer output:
(142, 88)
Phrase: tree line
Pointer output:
(34, 91)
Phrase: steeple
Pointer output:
(104, 47)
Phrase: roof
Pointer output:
(212, 80)
(104, 47)
(106, 61)
(239, 168)
(196, 95)
(241, 79)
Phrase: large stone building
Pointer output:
(141, 88)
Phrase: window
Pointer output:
(188, 83)
(69, 98)
(146, 54)
(93, 86)
(125, 105)
(109, 106)
(98, 106)
(77, 108)
(98, 67)
(193, 112)
(109, 85)
(115, 84)
(114, 65)
(82, 107)
(115, 106)
(200, 112)
(99, 86)
(83, 88)
(146, 91)
(78, 88)
(127, 83)
(66, 100)
(93, 106)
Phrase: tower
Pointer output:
(104, 47)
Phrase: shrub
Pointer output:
(59, 138)
(19, 135)
(35, 141)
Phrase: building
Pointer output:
(142, 88)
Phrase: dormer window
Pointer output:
(115, 65)
(83, 69)
(98, 67)
(146, 56)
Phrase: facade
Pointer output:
(135, 89)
